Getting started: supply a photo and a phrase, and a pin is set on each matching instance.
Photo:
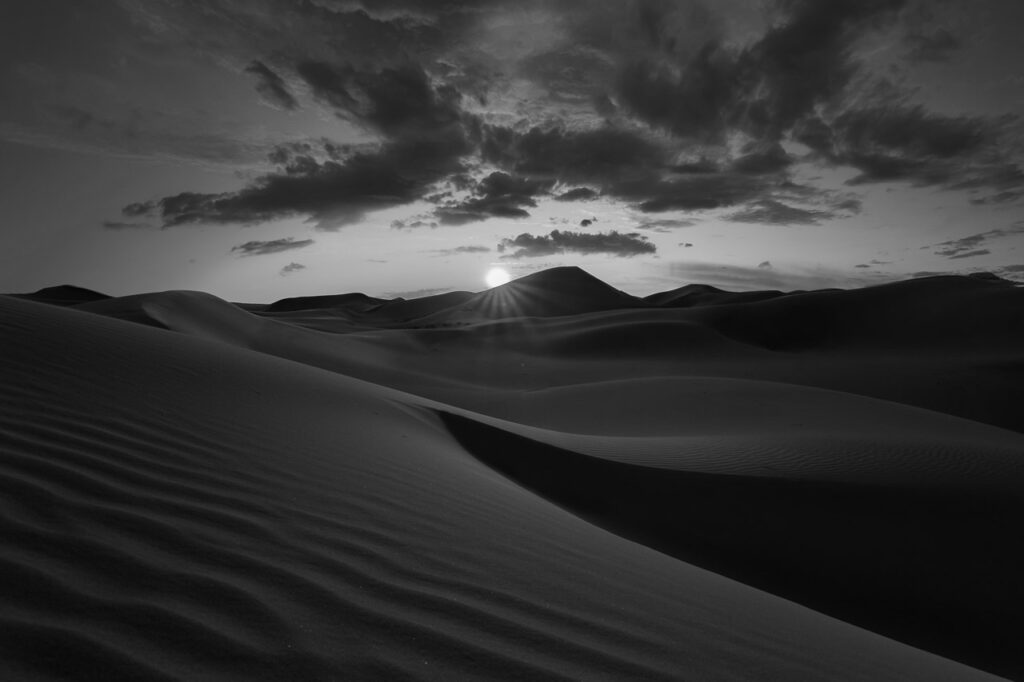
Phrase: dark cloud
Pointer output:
(848, 204)
(1013, 273)
(332, 193)
(138, 209)
(646, 101)
(665, 224)
(691, 192)
(804, 59)
(907, 143)
(464, 249)
(394, 101)
(272, 87)
(771, 212)
(971, 254)
(937, 45)
(569, 73)
(498, 195)
(297, 155)
(604, 154)
(412, 224)
(578, 194)
(762, 158)
(1003, 197)
(425, 138)
(693, 101)
(263, 248)
(290, 268)
(615, 243)
(971, 245)
(465, 214)
(121, 225)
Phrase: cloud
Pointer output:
(805, 58)
(691, 192)
(392, 100)
(263, 248)
(907, 143)
(578, 194)
(660, 104)
(498, 195)
(425, 139)
(272, 87)
(605, 154)
(290, 268)
(937, 45)
(762, 158)
(412, 223)
(664, 224)
(464, 249)
(771, 212)
(1003, 197)
(615, 243)
(969, 246)
(1013, 273)
(971, 254)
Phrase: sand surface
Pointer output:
(548, 480)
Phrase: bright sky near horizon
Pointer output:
(259, 149)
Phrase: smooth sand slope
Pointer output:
(548, 480)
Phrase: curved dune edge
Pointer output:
(929, 565)
(178, 509)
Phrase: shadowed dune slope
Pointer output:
(929, 563)
(175, 508)
(934, 313)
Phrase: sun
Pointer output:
(496, 277)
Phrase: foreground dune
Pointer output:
(549, 480)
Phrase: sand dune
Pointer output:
(547, 480)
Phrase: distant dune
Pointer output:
(551, 479)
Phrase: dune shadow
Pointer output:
(936, 569)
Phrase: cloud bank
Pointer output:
(484, 108)
(558, 242)
(264, 248)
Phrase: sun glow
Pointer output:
(496, 277)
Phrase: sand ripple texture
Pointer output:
(227, 501)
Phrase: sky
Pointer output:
(260, 149)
